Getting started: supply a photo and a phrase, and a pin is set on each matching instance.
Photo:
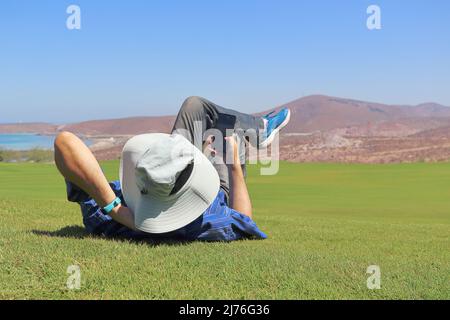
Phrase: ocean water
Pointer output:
(25, 141)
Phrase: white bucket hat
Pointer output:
(149, 169)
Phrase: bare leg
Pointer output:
(78, 165)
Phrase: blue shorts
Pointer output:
(218, 223)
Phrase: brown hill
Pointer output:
(322, 113)
(395, 128)
(42, 128)
(434, 133)
(126, 126)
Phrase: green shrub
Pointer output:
(33, 155)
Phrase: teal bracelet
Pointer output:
(110, 207)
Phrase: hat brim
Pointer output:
(156, 215)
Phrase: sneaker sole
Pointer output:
(270, 138)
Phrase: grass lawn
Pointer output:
(326, 224)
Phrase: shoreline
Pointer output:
(96, 143)
(104, 147)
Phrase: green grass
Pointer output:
(326, 224)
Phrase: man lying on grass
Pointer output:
(168, 189)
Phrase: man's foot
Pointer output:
(273, 124)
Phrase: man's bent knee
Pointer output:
(193, 104)
(64, 139)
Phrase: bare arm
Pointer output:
(239, 197)
(78, 165)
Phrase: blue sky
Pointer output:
(144, 57)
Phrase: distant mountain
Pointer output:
(309, 114)
(126, 126)
(322, 113)
(42, 128)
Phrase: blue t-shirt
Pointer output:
(218, 223)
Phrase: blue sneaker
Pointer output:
(273, 125)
